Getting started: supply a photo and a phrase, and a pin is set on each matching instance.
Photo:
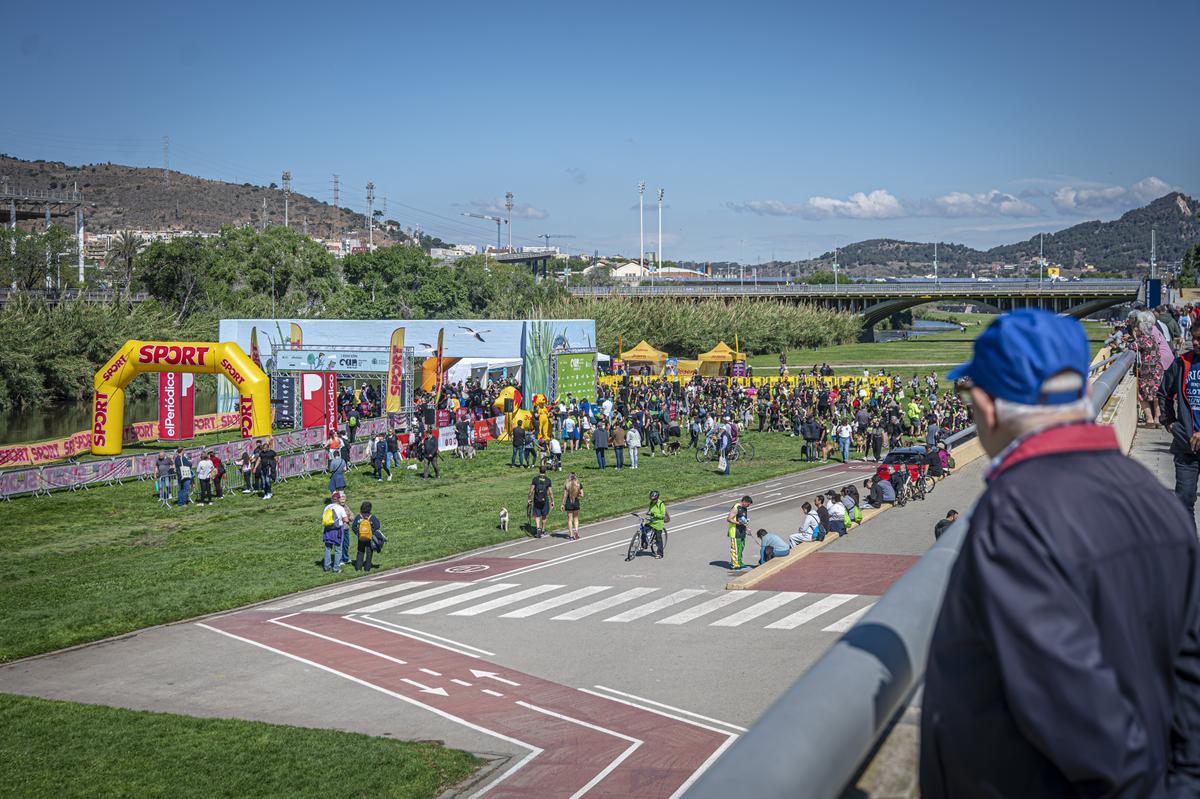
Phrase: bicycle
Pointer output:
(643, 539)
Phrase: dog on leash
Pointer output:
(672, 447)
(504, 519)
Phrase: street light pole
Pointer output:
(658, 259)
(508, 206)
(641, 225)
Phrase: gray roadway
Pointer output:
(690, 650)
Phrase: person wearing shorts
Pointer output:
(539, 499)
(572, 494)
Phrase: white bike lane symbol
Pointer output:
(469, 568)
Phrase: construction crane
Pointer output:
(547, 237)
(498, 220)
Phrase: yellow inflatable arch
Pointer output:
(198, 357)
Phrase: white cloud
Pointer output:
(1073, 200)
(989, 203)
(882, 204)
(879, 204)
(519, 211)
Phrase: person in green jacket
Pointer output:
(658, 521)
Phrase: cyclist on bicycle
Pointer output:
(657, 522)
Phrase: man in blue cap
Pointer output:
(1066, 658)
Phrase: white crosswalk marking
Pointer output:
(667, 601)
(502, 601)
(704, 608)
(555, 601)
(754, 611)
(319, 595)
(841, 625)
(604, 604)
(350, 600)
(811, 612)
(417, 597)
(442, 604)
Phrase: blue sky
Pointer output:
(776, 129)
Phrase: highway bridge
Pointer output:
(877, 301)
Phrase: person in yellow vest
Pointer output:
(739, 521)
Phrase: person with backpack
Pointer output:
(539, 499)
(333, 523)
(366, 527)
(810, 527)
(351, 425)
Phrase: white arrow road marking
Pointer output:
(425, 689)
(491, 675)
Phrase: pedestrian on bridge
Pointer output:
(1066, 658)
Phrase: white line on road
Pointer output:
(704, 608)
(503, 601)
(841, 625)
(754, 611)
(431, 672)
(556, 601)
(350, 600)
(636, 742)
(670, 707)
(639, 706)
(490, 692)
(419, 635)
(659, 604)
(340, 641)
(417, 597)
(811, 612)
(534, 751)
(463, 683)
(458, 599)
(604, 604)
(319, 595)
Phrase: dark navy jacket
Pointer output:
(1066, 659)
(1173, 405)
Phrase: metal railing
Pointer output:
(813, 740)
(1107, 288)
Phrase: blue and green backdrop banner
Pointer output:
(532, 340)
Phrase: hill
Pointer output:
(136, 198)
(1117, 246)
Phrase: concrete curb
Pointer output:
(962, 456)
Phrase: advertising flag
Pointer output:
(254, 355)
(312, 398)
(395, 381)
(331, 404)
(296, 341)
(440, 375)
(176, 406)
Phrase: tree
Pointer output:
(1190, 268)
(30, 259)
(123, 252)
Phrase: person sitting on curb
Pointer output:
(771, 546)
(944, 524)
(810, 527)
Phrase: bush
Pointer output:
(686, 328)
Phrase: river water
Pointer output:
(24, 425)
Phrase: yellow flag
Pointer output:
(395, 384)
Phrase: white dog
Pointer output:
(504, 519)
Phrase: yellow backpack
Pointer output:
(328, 519)
(364, 529)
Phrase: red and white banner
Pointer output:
(443, 418)
(318, 399)
(176, 406)
(246, 408)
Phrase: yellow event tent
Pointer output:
(643, 353)
(711, 361)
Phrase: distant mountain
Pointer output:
(120, 197)
(1118, 246)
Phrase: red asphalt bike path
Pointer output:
(579, 742)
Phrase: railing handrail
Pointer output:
(1081, 287)
(833, 716)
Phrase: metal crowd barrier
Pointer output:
(816, 738)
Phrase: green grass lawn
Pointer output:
(949, 348)
(84, 566)
(60, 750)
